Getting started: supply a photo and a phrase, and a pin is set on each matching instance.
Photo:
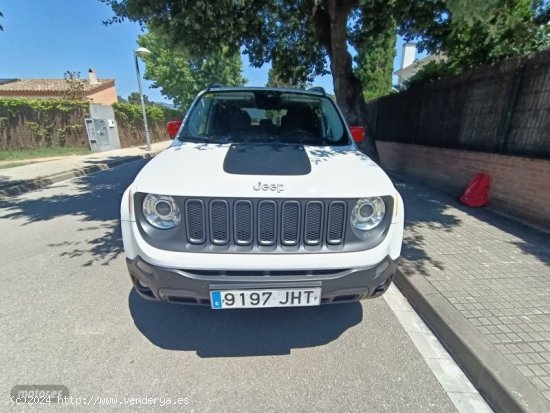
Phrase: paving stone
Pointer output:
(537, 370)
(526, 371)
(494, 271)
(539, 384)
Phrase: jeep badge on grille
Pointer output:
(269, 187)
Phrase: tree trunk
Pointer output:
(331, 25)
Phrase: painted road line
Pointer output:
(460, 390)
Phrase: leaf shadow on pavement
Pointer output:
(4, 180)
(240, 333)
(432, 223)
(96, 200)
(113, 160)
(423, 214)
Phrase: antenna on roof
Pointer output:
(318, 89)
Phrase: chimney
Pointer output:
(409, 55)
(93, 77)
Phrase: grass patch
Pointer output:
(23, 154)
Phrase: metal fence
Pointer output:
(502, 108)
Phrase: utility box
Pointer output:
(102, 128)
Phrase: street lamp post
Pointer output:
(141, 52)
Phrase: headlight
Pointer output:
(368, 213)
(161, 211)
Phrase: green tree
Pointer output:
(285, 79)
(514, 27)
(135, 99)
(179, 76)
(374, 38)
(373, 35)
(302, 38)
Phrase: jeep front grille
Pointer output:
(194, 218)
(243, 222)
(314, 223)
(290, 223)
(264, 224)
(219, 222)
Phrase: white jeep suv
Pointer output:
(262, 200)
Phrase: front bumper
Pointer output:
(193, 286)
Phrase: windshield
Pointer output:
(265, 117)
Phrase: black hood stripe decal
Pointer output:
(247, 159)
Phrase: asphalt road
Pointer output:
(69, 316)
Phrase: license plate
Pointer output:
(295, 297)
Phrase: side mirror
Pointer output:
(358, 133)
(172, 128)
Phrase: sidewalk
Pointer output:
(26, 178)
(482, 282)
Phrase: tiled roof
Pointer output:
(47, 85)
(410, 70)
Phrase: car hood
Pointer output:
(262, 171)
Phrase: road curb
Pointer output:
(21, 187)
(502, 385)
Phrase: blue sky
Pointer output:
(45, 38)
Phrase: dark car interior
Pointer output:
(263, 117)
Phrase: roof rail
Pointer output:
(214, 85)
(318, 89)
